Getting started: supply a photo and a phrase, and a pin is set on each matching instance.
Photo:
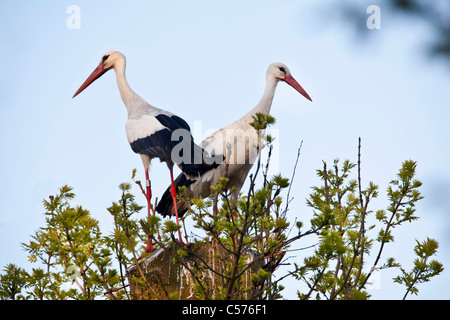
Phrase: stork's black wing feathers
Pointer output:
(173, 122)
(160, 145)
(157, 145)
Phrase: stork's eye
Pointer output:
(282, 70)
(105, 57)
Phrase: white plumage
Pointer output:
(142, 127)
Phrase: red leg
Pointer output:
(149, 190)
(174, 198)
(149, 247)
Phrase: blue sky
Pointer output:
(206, 61)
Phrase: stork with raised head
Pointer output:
(238, 143)
(149, 131)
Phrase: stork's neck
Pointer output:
(265, 103)
(132, 101)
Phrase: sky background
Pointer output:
(206, 61)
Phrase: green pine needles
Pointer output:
(252, 230)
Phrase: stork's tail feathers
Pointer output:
(194, 171)
(197, 166)
(191, 172)
(165, 204)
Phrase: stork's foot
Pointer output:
(182, 244)
(148, 249)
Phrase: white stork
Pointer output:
(149, 131)
(237, 142)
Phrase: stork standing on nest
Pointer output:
(238, 143)
(149, 131)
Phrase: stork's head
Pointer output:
(281, 72)
(110, 60)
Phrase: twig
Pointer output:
(359, 173)
(116, 289)
(314, 285)
(325, 178)
(138, 182)
(334, 294)
(108, 291)
(363, 216)
(304, 248)
(292, 180)
(266, 170)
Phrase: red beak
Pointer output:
(294, 84)
(97, 73)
